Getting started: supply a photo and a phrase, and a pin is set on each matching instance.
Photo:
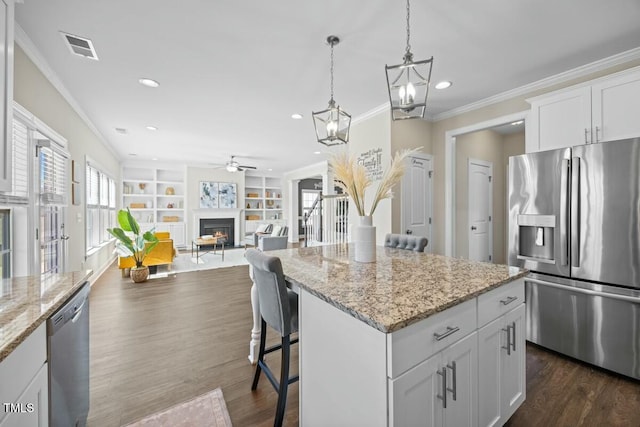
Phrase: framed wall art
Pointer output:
(218, 195)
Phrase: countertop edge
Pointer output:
(8, 347)
(418, 317)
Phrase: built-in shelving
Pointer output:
(156, 198)
(263, 201)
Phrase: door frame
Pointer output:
(450, 170)
(489, 165)
(403, 227)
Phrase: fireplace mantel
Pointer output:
(236, 214)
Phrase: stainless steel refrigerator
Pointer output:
(574, 222)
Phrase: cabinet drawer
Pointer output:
(411, 345)
(499, 301)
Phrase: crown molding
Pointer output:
(584, 70)
(373, 112)
(32, 52)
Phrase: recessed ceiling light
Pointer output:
(443, 84)
(316, 152)
(152, 128)
(296, 116)
(269, 169)
(517, 123)
(155, 158)
(149, 82)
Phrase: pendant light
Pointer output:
(332, 124)
(408, 83)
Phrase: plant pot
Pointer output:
(140, 274)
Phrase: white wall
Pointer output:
(373, 133)
(34, 92)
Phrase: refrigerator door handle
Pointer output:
(564, 214)
(627, 298)
(575, 212)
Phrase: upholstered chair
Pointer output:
(276, 240)
(279, 310)
(406, 241)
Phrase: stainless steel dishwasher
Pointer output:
(68, 356)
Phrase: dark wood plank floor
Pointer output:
(163, 342)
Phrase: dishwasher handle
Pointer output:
(70, 311)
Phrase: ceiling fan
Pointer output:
(233, 166)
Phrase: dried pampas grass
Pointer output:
(352, 178)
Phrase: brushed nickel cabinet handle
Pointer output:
(508, 300)
(513, 340)
(508, 347)
(454, 380)
(450, 330)
(443, 396)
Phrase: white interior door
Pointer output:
(417, 197)
(480, 208)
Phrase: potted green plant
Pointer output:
(137, 247)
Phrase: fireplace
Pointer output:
(219, 227)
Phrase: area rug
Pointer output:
(184, 262)
(207, 410)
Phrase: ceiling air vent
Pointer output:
(80, 46)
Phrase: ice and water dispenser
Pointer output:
(536, 238)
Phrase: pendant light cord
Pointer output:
(408, 28)
(332, 70)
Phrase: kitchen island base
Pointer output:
(428, 373)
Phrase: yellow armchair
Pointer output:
(163, 253)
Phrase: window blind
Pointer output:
(20, 169)
(53, 173)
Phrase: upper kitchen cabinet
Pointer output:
(6, 91)
(604, 109)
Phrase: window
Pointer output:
(308, 197)
(101, 205)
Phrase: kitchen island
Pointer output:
(25, 305)
(407, 340)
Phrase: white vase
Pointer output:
(365, 240)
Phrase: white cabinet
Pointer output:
(439, 391)
(156, 197)
(353, 374)
(6, 92)
(24, 383)
(604, 109)
(501, 362)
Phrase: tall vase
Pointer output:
(365, 240)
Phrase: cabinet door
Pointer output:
(501, 372)
(616, 103)
(513, 367)
(560, 120)
(491, 340)
(32, 407)
(413, 396)
(461, 362)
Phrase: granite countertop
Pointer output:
(400, 288)
(27, 302)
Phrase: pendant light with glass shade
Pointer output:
(408, 83)
(332, 124)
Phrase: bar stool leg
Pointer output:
(284, 381)
(263, 340)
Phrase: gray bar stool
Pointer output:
(406, 241)
(279, 310)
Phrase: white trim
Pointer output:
(450, 170)
(584, 70)
(371, 113)
(93, 278)
(30, 49)
(39, 125)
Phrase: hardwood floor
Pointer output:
(165, 341)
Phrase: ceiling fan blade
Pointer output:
(246, 167)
